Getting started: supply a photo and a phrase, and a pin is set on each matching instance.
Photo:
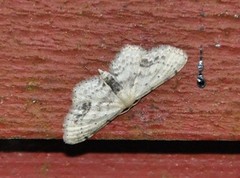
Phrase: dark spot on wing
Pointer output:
(82, 110)
(157, 59)
(146, 63)
(114, 85)
(163, 57)
(86, 106)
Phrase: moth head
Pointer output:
(103, 74)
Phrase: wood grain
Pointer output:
(47, 47)
(109, 165)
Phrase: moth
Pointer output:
(133, 74)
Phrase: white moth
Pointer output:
(133, 74)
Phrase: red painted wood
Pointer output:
(47, 47)
(22, 164)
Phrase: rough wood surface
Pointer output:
(49, 46)
(119, 159)
(124, 165)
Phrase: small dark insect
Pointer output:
(200, 78)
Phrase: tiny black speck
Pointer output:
(156, 58)
(163, 57)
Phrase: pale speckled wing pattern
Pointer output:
(142, 71)
(94, 105)
(133, 74)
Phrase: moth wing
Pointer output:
(94, 105)
(157, 66)
(125, 68)
(141, 71)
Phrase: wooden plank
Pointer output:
(24, 158)
(108, 159)
(47, 47)
(109, 165)
(93, 164)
